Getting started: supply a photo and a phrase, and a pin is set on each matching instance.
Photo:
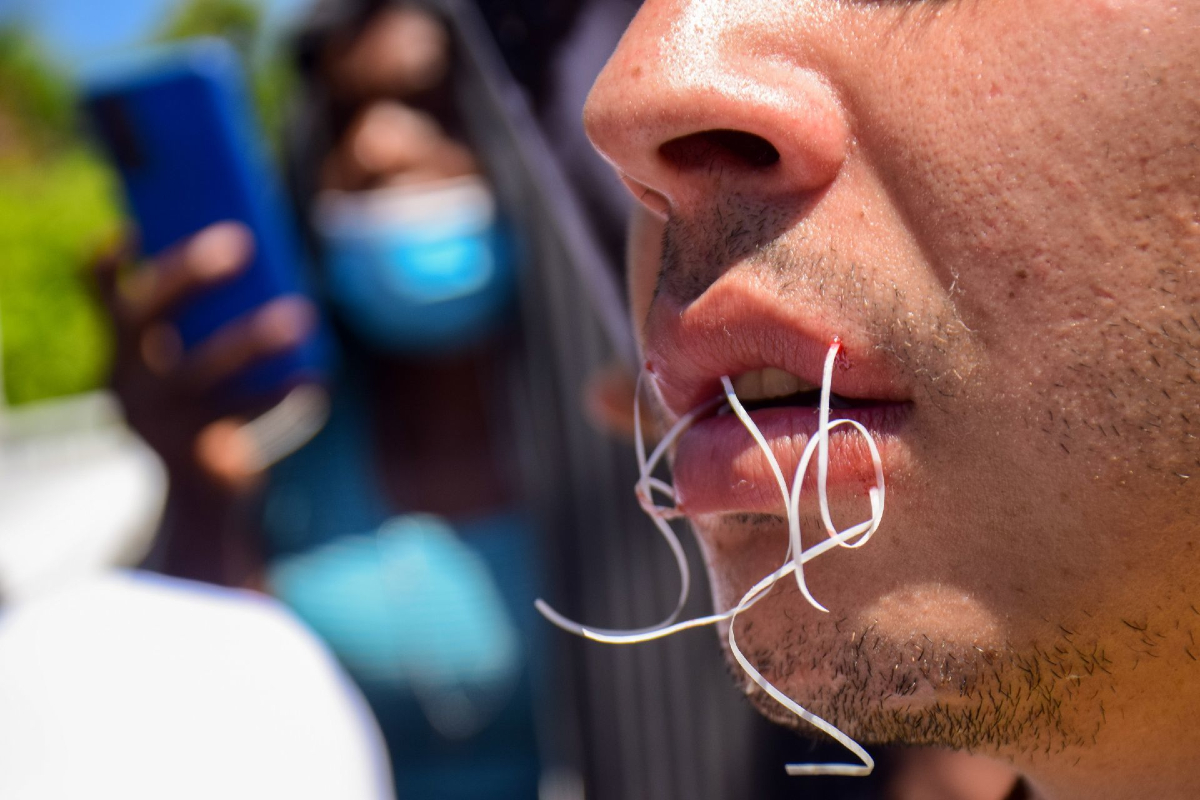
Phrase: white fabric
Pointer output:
(79, 492)
(131, 686)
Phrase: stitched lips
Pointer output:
(717, 468)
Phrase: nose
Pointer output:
(699, 100)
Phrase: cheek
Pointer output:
(1051, 180)
(1058, 136)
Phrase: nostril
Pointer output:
(710, 148)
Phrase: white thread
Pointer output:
(851, 537)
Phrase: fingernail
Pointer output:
(222, 248)
(288, 321)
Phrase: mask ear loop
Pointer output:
(794, 560)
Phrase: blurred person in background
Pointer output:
(122, 683)
(397, 533)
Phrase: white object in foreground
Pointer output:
(136, 686)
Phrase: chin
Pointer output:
(883, 684)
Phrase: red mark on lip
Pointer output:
(649, 366)
(841, 360)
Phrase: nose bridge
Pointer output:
(703, 97)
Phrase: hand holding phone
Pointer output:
(214, 327)
(167, 391)
(178, 125)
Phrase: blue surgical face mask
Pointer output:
(422, 270)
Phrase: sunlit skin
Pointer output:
(997, 207)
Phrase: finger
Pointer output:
(228, 454)
(274, 328)
(161, 349)
(212, 256)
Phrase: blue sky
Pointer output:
(77, 31)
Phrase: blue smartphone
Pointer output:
(178, 124)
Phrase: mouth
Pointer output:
(774, 362)
(775, 388)
(719, 469)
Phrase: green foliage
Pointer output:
(53, 212)
(236, 20)
(35, 102)
(275, 83)
(240, 21)
(57, 202)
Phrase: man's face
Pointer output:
(996, 207)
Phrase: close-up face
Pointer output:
(995, 207)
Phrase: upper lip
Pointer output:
(735, 330)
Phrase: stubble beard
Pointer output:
(1042, 695)
(997, 699)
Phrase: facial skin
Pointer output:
(396, 74)
(996, 207)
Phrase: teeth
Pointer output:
(748, 386)
(764, 384)
(777, 383)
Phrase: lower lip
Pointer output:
(719, 469)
